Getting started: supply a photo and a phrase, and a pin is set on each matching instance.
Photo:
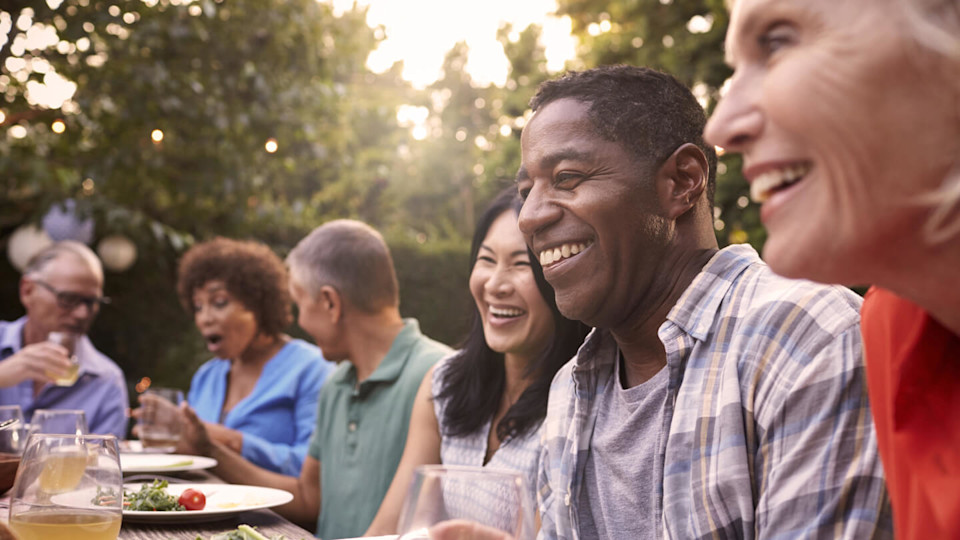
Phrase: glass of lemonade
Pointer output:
(69, 487)
(68, 340)
(159, 428)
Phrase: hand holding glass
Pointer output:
(493, 498)
(160, 419)
(69, 488)
(67, 340)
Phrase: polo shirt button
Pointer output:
(352, 426)
(566, 499)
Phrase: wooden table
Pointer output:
(268, 522)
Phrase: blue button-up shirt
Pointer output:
(767, 430)
(100, 390)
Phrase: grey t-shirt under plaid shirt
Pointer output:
(625, 442)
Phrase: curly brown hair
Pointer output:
(252, 273)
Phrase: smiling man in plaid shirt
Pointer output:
(714, 399)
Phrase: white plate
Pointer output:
(223, 500)
(163, 463)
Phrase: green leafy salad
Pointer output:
(243, 532)
(151, 497)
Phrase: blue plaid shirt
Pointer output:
(767, 430)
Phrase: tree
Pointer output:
(248, 118)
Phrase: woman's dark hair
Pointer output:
(473, 384)
(252, 273)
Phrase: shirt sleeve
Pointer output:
(817, 453)
(288, 458)
(111, 417)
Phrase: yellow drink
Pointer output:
(160, 440)
(62, 472)
(66, 525)
(70, 376)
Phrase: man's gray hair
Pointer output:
(41, 259)
(351, 257)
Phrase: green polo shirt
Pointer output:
(361, 431)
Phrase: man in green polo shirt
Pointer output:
(344, 284)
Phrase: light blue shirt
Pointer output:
(279, 415)
(100, 390)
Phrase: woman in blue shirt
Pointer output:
(258, 396)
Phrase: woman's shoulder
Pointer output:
(298, 349)
(212, 367)
(298, 357)
(443, 366)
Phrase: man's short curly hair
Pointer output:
(252, 273)
(647, 112)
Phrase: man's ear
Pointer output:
(26, 290)
(332, 302)
(682, 180)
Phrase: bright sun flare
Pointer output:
(421, 32)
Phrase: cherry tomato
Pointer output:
(192, 499)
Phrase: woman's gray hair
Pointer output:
(935, 26)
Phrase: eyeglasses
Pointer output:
(70, 301)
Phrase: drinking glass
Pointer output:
(69, 488)
(492, 497)
(69, 341)
(159, 427)
(12, 436)
(59, 421)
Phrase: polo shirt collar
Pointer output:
(392, 364)
(697, 308)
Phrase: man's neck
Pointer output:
(370, 337)
(31, 334)
(638, 337)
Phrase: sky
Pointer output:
(421, 32)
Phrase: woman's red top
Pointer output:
(913, 373)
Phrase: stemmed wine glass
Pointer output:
(69, 488)
(491, 497)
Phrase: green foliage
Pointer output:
(221, 79)
(433, 286)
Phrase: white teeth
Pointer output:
(764, 185)
(506, 312)
(550, 256)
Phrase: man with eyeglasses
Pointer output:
(61, 291)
